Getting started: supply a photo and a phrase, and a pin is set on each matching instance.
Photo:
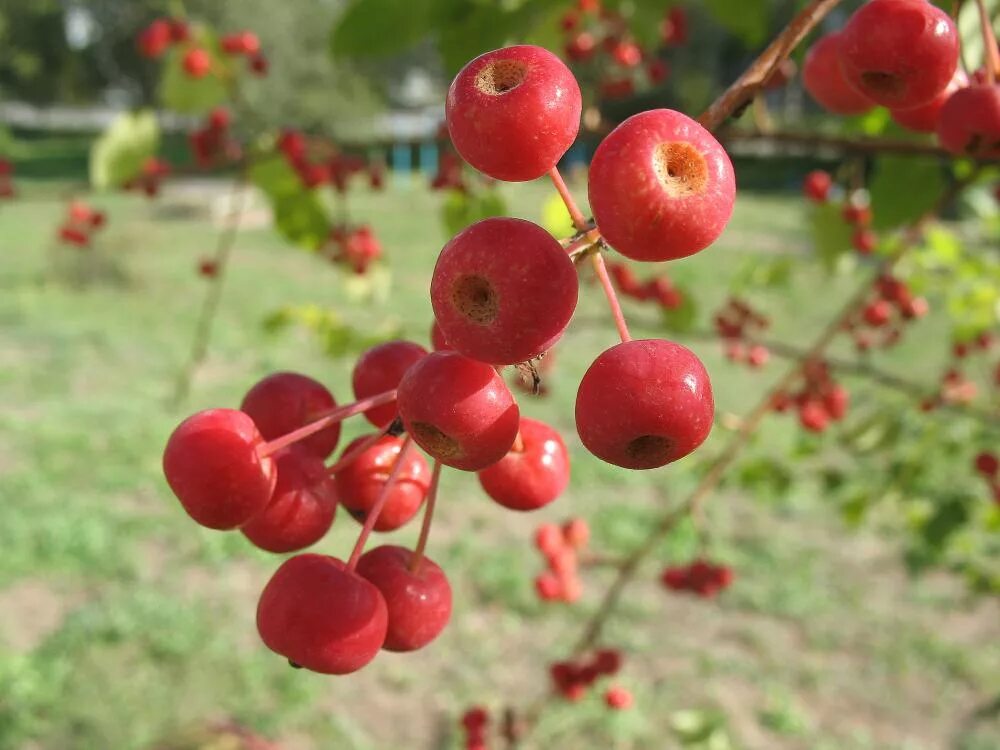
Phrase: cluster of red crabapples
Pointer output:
(856, 211)
(80, 224)
(503, 291)
(560, 547)
(658, 289)
(818, 400)
(955, 386)
(700, 577)
(212, 144)
(737, 324)
(904, 55)
(7, 191)
(164, 33)
(880, 322)
(599, 38)
(573, 679)
(150, 177)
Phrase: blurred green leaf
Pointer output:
(903, 188)
(681, 319)
(119, 153)
(195, 96)
(298, 212)
(831, 234)
(374, 28)
(747, 19)
(460, 209)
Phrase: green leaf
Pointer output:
(681, 319)
(903, 189)
(118, 155)
(298, 212)
(375, 28)
(195, 96)
(831, 234)
(747, 19)
(460, 209)
(556, 218)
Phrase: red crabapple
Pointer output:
(817, 186)
(438, 342)
(459, 410)
(924, 119)
(618, 698)
(197, 63)
(836, 401)
(418, 601)
(360, 482)
(380, 369)
(899, 53)
(548, 586)
(284, 401)
(661, 187)
(154, 40)
(813, 416)
(302, 505)
(503, 291)
(644, 403)
(533, 476)
(987, 464)
(864, 241)
(877, 313)
(576, 532)
(513, 112)
(825, 82)
(549, 539)
(969, 123)
(212, 464)
(321, 616)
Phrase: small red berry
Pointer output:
(512, 113)
(549, 539)
(685, 179)
(154, 40)
(380, 369)
(533, 476)
(864, 241)
(197, 63)
(924, 119)
(817, 186)
(548, 586)
(987, 464)
(644, 403)
(285, 401)
(618, 698)
(969, 123)
(576, 532)
(813, 416)
(877, 313)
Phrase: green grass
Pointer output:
(122, 623)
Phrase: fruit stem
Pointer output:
(338, 414)
(989, 44)
(574, 210)
(609, 291)
(583, 242)
(351, 456)
(383, 497)
(425, 527)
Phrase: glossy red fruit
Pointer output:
(533, 476)
(284, 401)
(644, 403)
(899, 53)
(219, 119)
(360, 483)
(380, 369)
(197, 63)
(418, 602)
(459, 410)
(924, 119)
(503, 291)
(661, 187)
(576, 533)
(836, 401)
(301, 508)
(618, 698)
(969, 123)
(817, 186)
(212, 465)
(877, 313)
(823, 79)
(512, 113)
(813, 416)
(321, 616)
(438, 341)
(549, 539)
(154, 40)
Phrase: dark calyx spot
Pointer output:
(434, 441)
(650, 450)
(475, 298)
(501, 76)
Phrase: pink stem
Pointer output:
(338, 414)
(574, 210)
(425, 527)
(609, 291)
(990, 42)
(383, 497)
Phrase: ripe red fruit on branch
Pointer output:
(817, 186)
(321, 616)
(532, 477)
(899, 53)
(379, 370)
(699, 577)
(503, 291)
(360, 482)
(302, 505)
(813, 416)
(459, 410)
(285, 401)
(864, 241)
(618, 698)
(661, 187)
(643, 404)
(924, 119)
(987, 464)
(212, 464)
(154, 40)
(197, 63)
(823, 79)
(969, 123)
(418, 601)
(513, 112)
